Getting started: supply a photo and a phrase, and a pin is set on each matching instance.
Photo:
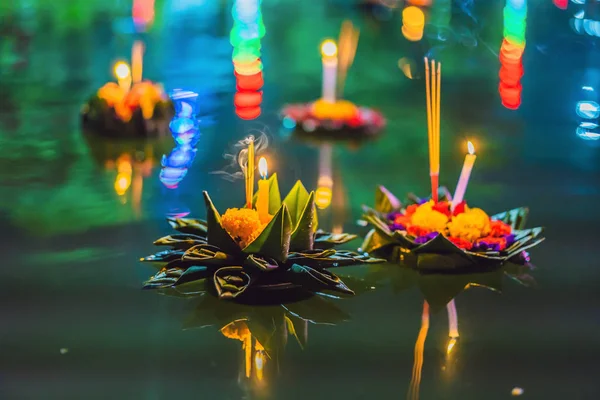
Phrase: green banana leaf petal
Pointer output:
(296, 201)
(216, 234)
(331, 258)
(516, 218)
(326, 240)
(180, 241)
(174, 274)
(304, 232)
(274, 240)
(230, 282)
(318, 280)
(385, 201)
(206, 254)
(164, 256)
(274, 195)
(261, 263)
(189, 225)
(375, 241)
(317, 310)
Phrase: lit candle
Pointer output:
(249, 172)
(262, 201)
(463, 181)
(137, 59)
(330, 63)
(123, 74)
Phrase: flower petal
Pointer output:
(180, 241)
(189, 225)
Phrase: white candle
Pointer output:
(463, 181)
(330, 63)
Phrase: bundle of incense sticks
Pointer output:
(250, 173)
(433, 86)
(347, 44)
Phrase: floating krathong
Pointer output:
(239, 255)
(443, 233)
(331, 117)
(431, 236)
(131, 108)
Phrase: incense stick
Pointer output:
(250, 173)
(433, 88)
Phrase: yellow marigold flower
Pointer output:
(471, 225)
(243, 224)
(341, 109)
(426, 217)
(111, 93)
(123, 112)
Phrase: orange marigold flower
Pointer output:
(410, 210)
(417, 231)
(499, 228)
(461, 243)
(243, 224)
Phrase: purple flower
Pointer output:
(425, 238)
(423, 201)
(397, 227)
(392, 216)
(510, 239)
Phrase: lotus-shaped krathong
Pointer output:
(285, 253)
(432, 237)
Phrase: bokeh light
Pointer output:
(413, 23)
(248, 29)
(511, 53)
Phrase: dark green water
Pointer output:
(70, 277)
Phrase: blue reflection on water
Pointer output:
(186, 133)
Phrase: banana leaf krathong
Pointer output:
(288, 253)
(439, 252)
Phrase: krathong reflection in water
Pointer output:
(263, 328)
(128, 162)
(185, 131)
(439, 292)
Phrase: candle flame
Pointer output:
(471, 147)
(122, 70)
(262, 167)
(329, 48)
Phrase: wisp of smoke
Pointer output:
(239, 159)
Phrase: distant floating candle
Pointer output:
(330, 63)
(465, 174)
